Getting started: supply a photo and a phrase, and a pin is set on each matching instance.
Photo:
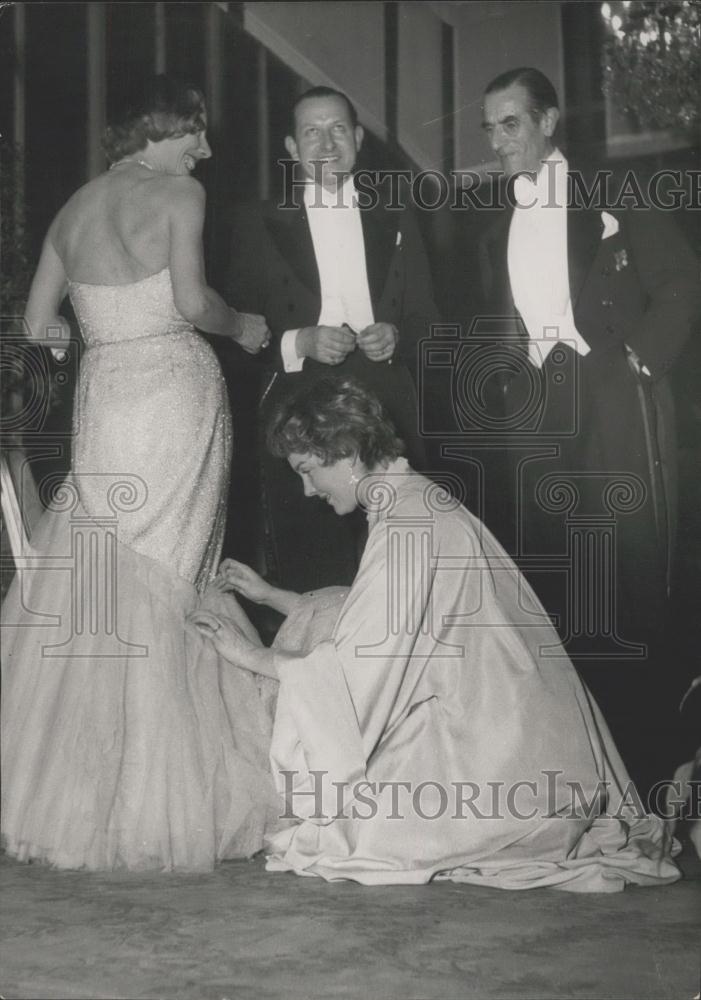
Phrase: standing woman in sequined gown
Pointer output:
(124, 745)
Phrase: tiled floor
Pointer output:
(242, 933)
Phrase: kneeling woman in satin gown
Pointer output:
(122, 745)
(429, 723)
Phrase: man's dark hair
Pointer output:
(540, 90)
(321, 92)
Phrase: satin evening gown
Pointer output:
(126, 741)
(435, 727)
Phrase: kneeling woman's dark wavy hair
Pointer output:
(157, 108)
(334, 418)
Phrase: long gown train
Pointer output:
(125, 741)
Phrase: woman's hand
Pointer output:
(237, 576)
(231, 643)
(226, 637)
(251, 332)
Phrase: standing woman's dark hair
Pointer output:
(160, 107)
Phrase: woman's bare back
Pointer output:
(115, 229)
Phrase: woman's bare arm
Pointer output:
(194, 299)
(49, 288)
(230, 642)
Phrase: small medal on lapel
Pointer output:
(621, 259)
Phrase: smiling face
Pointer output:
(324, 134)
(178, 154)
(194, 148)
(187, 150)
(336, 483)
(522, 139)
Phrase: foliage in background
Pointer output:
(652, 62)
(16, 273)
(30, 370)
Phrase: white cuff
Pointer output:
(288, 349)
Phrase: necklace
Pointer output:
(128, 159)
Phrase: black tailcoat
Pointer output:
(273, 271)
(593, 421)
(587, 496)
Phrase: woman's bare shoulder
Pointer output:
(83, 194)
(168, 188)
(181, 194)
(73, 209)
(173, 187)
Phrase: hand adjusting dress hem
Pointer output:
(444, 677)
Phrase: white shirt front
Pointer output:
(337, 235)
(538, 262)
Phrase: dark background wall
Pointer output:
(55, 155)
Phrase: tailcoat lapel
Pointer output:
(289, 230)
(584, 229)
(500, 294)
(380, 238)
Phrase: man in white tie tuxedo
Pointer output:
(345, 287)
(595, 307)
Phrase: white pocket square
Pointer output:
(398, 242)
(610, 225)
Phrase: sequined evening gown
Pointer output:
(126, 742)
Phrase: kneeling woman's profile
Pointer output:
(429, 723)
